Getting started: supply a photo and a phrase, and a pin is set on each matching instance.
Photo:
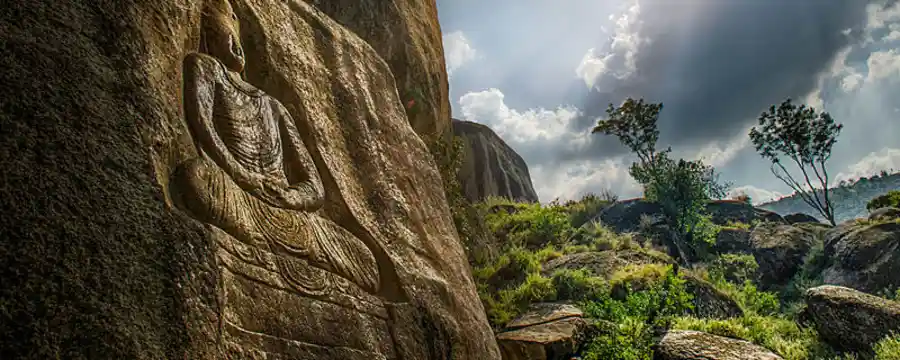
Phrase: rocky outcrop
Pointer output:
(629, 215)
(602, 263)
(725, 211)
(331, 240)
(687, 344)
(710, 302)
(797, 218)
(885, 213)
(779, 250)
(733, 240)
(863, 256)
(490, 167)
(407, 35)
(851, 320)
(547, 332)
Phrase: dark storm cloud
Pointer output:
(717, 64)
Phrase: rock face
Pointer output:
(490, 167)
(779, 250)
(865, 257)
(724, 211)
(603, 263)
(733, 240)
(168, 205)
(884, 213)
(796, 218)
(627, 215)
(851, 320)
(710, 302)
(685, 344)
(546, 332)
(407, 35)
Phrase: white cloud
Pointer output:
(620, 59)
(576, 179)
(718, 154)
(757, 195)
(887, 159)
(523, 127)
(879, 18)
(882, 65)
(457, 50)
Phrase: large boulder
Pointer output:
(733, 240)
(864, 256)
(546, 332)
(105, 259)
(490, 167)
(779, 250)
(629, 215)
(798, 218)
(885, 213)
(710, 302)
(850, 320)
(689, 345)
(729, 211)
(407, 35)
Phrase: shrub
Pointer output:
(889, 199)
(578, 285)
(888, 348)
(532, 226)
(582, 211)
(735, 268)
(633, 319)
(509, 303)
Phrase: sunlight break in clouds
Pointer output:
(583, 177)
(620, 60)
(457, 51)
(715, 155)
(887, 159)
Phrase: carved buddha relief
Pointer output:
(254, 178)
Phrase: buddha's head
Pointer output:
(221, 35)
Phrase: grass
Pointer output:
(888, 348)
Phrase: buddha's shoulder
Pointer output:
(198, 61)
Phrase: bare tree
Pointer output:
(798, 134)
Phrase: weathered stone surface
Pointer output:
(147, 263)
(851, 320)
(725, 211)
(865, 257)
(884, 213)
(733, 240)
(546, 332)
(779, 250)
(407, 35)
(796, 218)
(490, 167)
(686, 344)
(625, 215)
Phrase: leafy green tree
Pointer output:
(682, 188)
(798, 134)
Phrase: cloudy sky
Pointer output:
(541, 72)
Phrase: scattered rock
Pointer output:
(851, 320)
(797, 218)
(779, 250)
(490, 167)
(546, 332)
(687, 344)
(885, 213)
(865, 257)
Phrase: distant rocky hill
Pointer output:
(849, 200)
(491, 167)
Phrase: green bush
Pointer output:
(888, 348)
(582, 211)
(578, 285)
(509, 303)
(782, 336)
(735, 268)
(632, 320)
(531, 226)
(889, 199)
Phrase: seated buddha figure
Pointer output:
(254, 178)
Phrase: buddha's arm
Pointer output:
(201, 75)
(305, 192)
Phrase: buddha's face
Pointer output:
(221, 29)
